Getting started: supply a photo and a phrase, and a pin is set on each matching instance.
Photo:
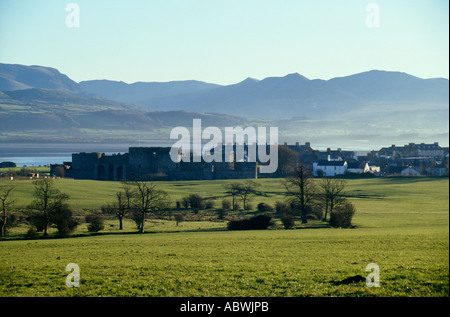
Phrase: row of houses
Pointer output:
(331, 168)
(409, 160)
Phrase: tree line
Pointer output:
(324, 199)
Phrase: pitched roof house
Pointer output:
(358, 167)
(329, 168)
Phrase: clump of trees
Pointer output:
(241, 191)
(138, 199)
(193, 201)
(50, 207)
(96, 222)
(307, 198)
(263, 207)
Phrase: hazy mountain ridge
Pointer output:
(273, 97)
(284, 97)
(362, 107)
(143, 93)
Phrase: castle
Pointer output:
(153, 163)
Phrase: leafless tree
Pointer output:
(331, 195)
(246, 190)
(147, 197)
(233, 190)
(6, 202)
(301, 189)
(118, 208)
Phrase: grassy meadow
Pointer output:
(401, 224)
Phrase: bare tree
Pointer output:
(332, 190)
(47, 197)
(128, 192)
(6, 203)
(147, 197)
(302, 190)
(246, 190)
(118, 208)
(233, 189)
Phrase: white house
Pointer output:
(374, 169)
(358, 168)
(329, 168)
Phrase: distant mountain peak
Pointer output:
(249, 80)
(295, 76)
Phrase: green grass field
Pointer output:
(402, 224)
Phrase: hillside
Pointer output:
(41, 100)
(16, 77)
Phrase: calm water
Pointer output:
(28, 154)
(36, 161)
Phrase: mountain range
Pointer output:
(373, 105)
(277, 97)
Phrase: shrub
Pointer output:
(316, 212)
(262, 207)
(209, 204)
(288, 220)
(196, 201)
(37, 221)
(282, 208)
(137, 218)
(255, 223)
(336, 219)
(62, 217)
(31, 233)
(226, 205)
(342, 216)
(221, 213)
(96, 223)
(185, 202)
(179, 218)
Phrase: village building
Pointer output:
(358, 167)
(329, 168)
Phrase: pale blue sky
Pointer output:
(226, 41)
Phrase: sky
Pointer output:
(226, 41)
